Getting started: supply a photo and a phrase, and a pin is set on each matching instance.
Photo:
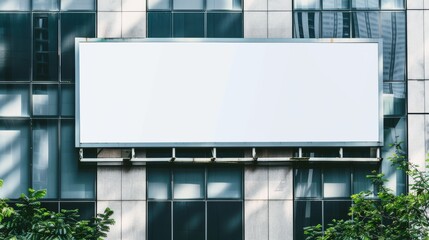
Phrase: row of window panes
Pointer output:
(309, 213)
(196, 24)
(53, 156)
(194, 4)
(390, 26)
(347, 4)
(47, 5)
(46, 100)
(16, 39)
(183, 220)
(336, 183)
(190, 183)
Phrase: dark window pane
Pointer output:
(189, 183)
(336, 4)
(394, 98)
(224, 220)
(307, 183)
(159, 24)
(188, 220)
(51, 206)
(73, 25)
(188, 25)
(360, 180)
(67, 99)
(224, 183)
(193, 152)
(45, 100)
(159, 220)
(158, 152)
(307, 213)
(14, 157)
(159, 183)
(230, 152)
(86, 209)
(321, 152)
(365, 4)
(336, 183)
(45, 156)
(15, 46)
(357, 152)
(225, 25)
(394, 39)
(77, 181)
(365, 25)
(45, 47)
(335, 25)
(307, 25)
(335, 210)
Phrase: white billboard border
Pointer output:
(379, 143)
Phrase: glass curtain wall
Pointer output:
(383, 19)
(37, 101)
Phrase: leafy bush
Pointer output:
(387, 216)
(28, 220)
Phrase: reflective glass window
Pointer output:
(14, 100)
(14, 157)
(360, 180)
(15, 46)
(307, 183)
(335, 210)
(159, 220)
(365, 24)
(335, 25)
(336, 4)
(86, 209)
(365, 4)
(188, 24)
(77, 181)
(224, 4)
(336, 183)
(14, 5)
(189, 184)
(188, 4)
(224, 183)
(45, 156)
(224, 220)
(307, 213)
(45, 5)
(73, 25)
(306, 4)
(67, 99)
(188, 220)
(394, 44)
(159, 24)
(394, 98)
(45, 47)
(159, 184)
(77, 4)
(393, 4)
(45, 99)
(307, 25)
(159, 4)
(224, 25)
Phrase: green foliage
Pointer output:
(30, 221)
(387, 216)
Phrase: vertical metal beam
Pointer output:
(341, 152)
(300, 152)
(173, 154)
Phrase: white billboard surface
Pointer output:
(228, 93)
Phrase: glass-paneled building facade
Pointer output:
(198, 199)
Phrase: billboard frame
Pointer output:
(378, 143)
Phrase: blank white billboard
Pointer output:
(228, 93)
